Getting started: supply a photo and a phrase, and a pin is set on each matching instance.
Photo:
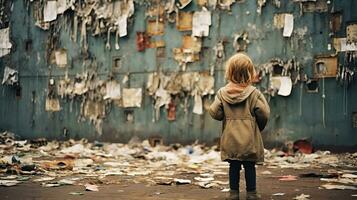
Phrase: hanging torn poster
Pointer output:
(122, 25)
(132, 97)
(112, 90)
(198, 106)
(351, 32)
(184, 21)
(341, 45)
(288, 25)
(10, 76)
(283, 84)
(52, 105)
(5, 44)
(61, 57)
(201, 22)
(50, 11)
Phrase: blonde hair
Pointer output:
(240, 69)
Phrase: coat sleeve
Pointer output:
(261, 111)
(216, 109)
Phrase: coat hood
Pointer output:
(233, 93)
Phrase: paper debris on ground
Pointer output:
(338, 187)
(90, 187)
(302, 197)
(279, 194)
(9, 183)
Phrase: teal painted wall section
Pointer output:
(26, 116)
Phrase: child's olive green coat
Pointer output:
(244, 114)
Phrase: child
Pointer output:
(244, 112)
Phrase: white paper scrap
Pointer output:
(288, 25)
(50, 11)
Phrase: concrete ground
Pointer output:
(124, 187)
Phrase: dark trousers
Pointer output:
(250, 175)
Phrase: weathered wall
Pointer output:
(296, 116)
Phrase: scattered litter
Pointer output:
(44, 179)
(182, 181)
(279, 194)
(338, 187)
(287, 178)
(302, 197)
(76, 193)
(90, 187)
(9, 183)
(266, 172)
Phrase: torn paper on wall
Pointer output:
(162, 97)
(10, 76)
(5, 44)
(223, 4)
(205, 84)
(189, 80)
(189, 52)
(198, 106)
(279, 20)
(315, 6)
(132, 97)
(173, 85)
(171, 111)
(183, 3)
(50, 11)
(113, 90)
(142, 41)
(288, 25)
(94, 110)
(341, 45)
(325, 66)
(351, 32)
(184, 21)
(240, 41)
(201, 22)
(260, 4)
(283, 84)
(61, 57)
(62, 6)
(153, 83)
(52, 105)
(122, 24)
(155, 27)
